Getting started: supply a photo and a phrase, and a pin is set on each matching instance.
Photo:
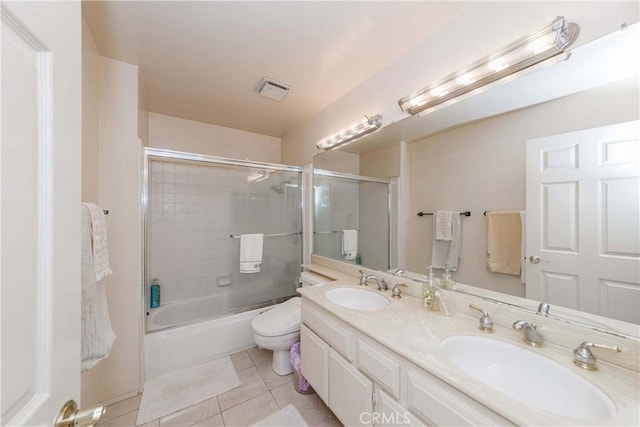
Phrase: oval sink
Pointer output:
(357, 299)
(528, 377)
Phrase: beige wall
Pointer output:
(173, 133)
(382, 163)
(90, 88)
(338, 161)
(463, 40)
(481, 166)
(119, 158)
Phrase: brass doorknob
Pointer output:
(534, 259)
(71, 416)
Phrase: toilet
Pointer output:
(278, 328)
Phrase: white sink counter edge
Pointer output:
(409, 330)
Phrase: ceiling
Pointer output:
(203, 60)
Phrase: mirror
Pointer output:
(470, 155)
(351, 218)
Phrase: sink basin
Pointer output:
(528, 377)
(357, 299)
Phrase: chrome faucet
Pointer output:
(486, 324)
(395, 292)
(531, 335)
(543, 309)
(398, 272)
(584, 358)
(364, 278)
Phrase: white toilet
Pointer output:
(278, 328)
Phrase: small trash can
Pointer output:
(300, 384)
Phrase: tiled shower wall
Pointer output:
(189, 223)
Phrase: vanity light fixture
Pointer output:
(345, 136)
(522, 54)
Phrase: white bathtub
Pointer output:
(187, 311)
(179, 347)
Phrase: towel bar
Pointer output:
(234, 236)
(465, 213)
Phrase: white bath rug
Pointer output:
(178, 390)
(285, 417)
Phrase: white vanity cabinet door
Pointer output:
(350, 392)
(314, 356)
(380, 364)
(390, 413)
(440, 404)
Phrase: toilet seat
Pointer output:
(280, 320)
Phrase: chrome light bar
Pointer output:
(357, 130)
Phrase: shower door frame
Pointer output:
(361, 178)
(157, 153)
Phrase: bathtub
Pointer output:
(187, 311)
(179, 347)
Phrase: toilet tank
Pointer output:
(308, 278)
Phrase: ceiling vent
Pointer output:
(273, 89)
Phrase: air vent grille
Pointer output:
(273, 89)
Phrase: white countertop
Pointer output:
(414, 333)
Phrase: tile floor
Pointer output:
(262, 393)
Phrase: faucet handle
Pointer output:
(584, 358)
(395, 292)
(363, 278)
(486, 324)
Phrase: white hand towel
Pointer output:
(523, 248)
(97, 335)
(442, 221)
(447, 251)
(251, 253)
(349, 244)
(99, 241)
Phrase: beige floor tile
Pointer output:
(260, 356)
(252, 386)
(126, 420)
(193, 414)
(241, 361)
(120, 408)
(286, 394)
(215, 421)
(322, 417)
(271, 379)
(250, 411)
(154, 423)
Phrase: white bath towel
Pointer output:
(96, 333)
(349, 244)
(251, 253)
(99, 241)
(447, 251)
(523, 248)
(442, 225)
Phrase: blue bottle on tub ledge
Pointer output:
(154, 295)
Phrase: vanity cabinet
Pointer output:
(365, 383)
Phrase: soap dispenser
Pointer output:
(429, 294)
(447, 281)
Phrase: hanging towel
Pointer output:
(349, 244)
(447, 251)
(504, 232)
(96, 333)
(250, 253)
(442, 223)
(99, 241)
(523, 247)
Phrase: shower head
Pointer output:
(280, 187)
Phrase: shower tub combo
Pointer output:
(195, 208)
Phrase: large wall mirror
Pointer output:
(471, 155)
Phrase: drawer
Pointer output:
(331, 330)
(440, 404)
(379, 364)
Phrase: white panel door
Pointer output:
(40, 209)
(583, 220)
